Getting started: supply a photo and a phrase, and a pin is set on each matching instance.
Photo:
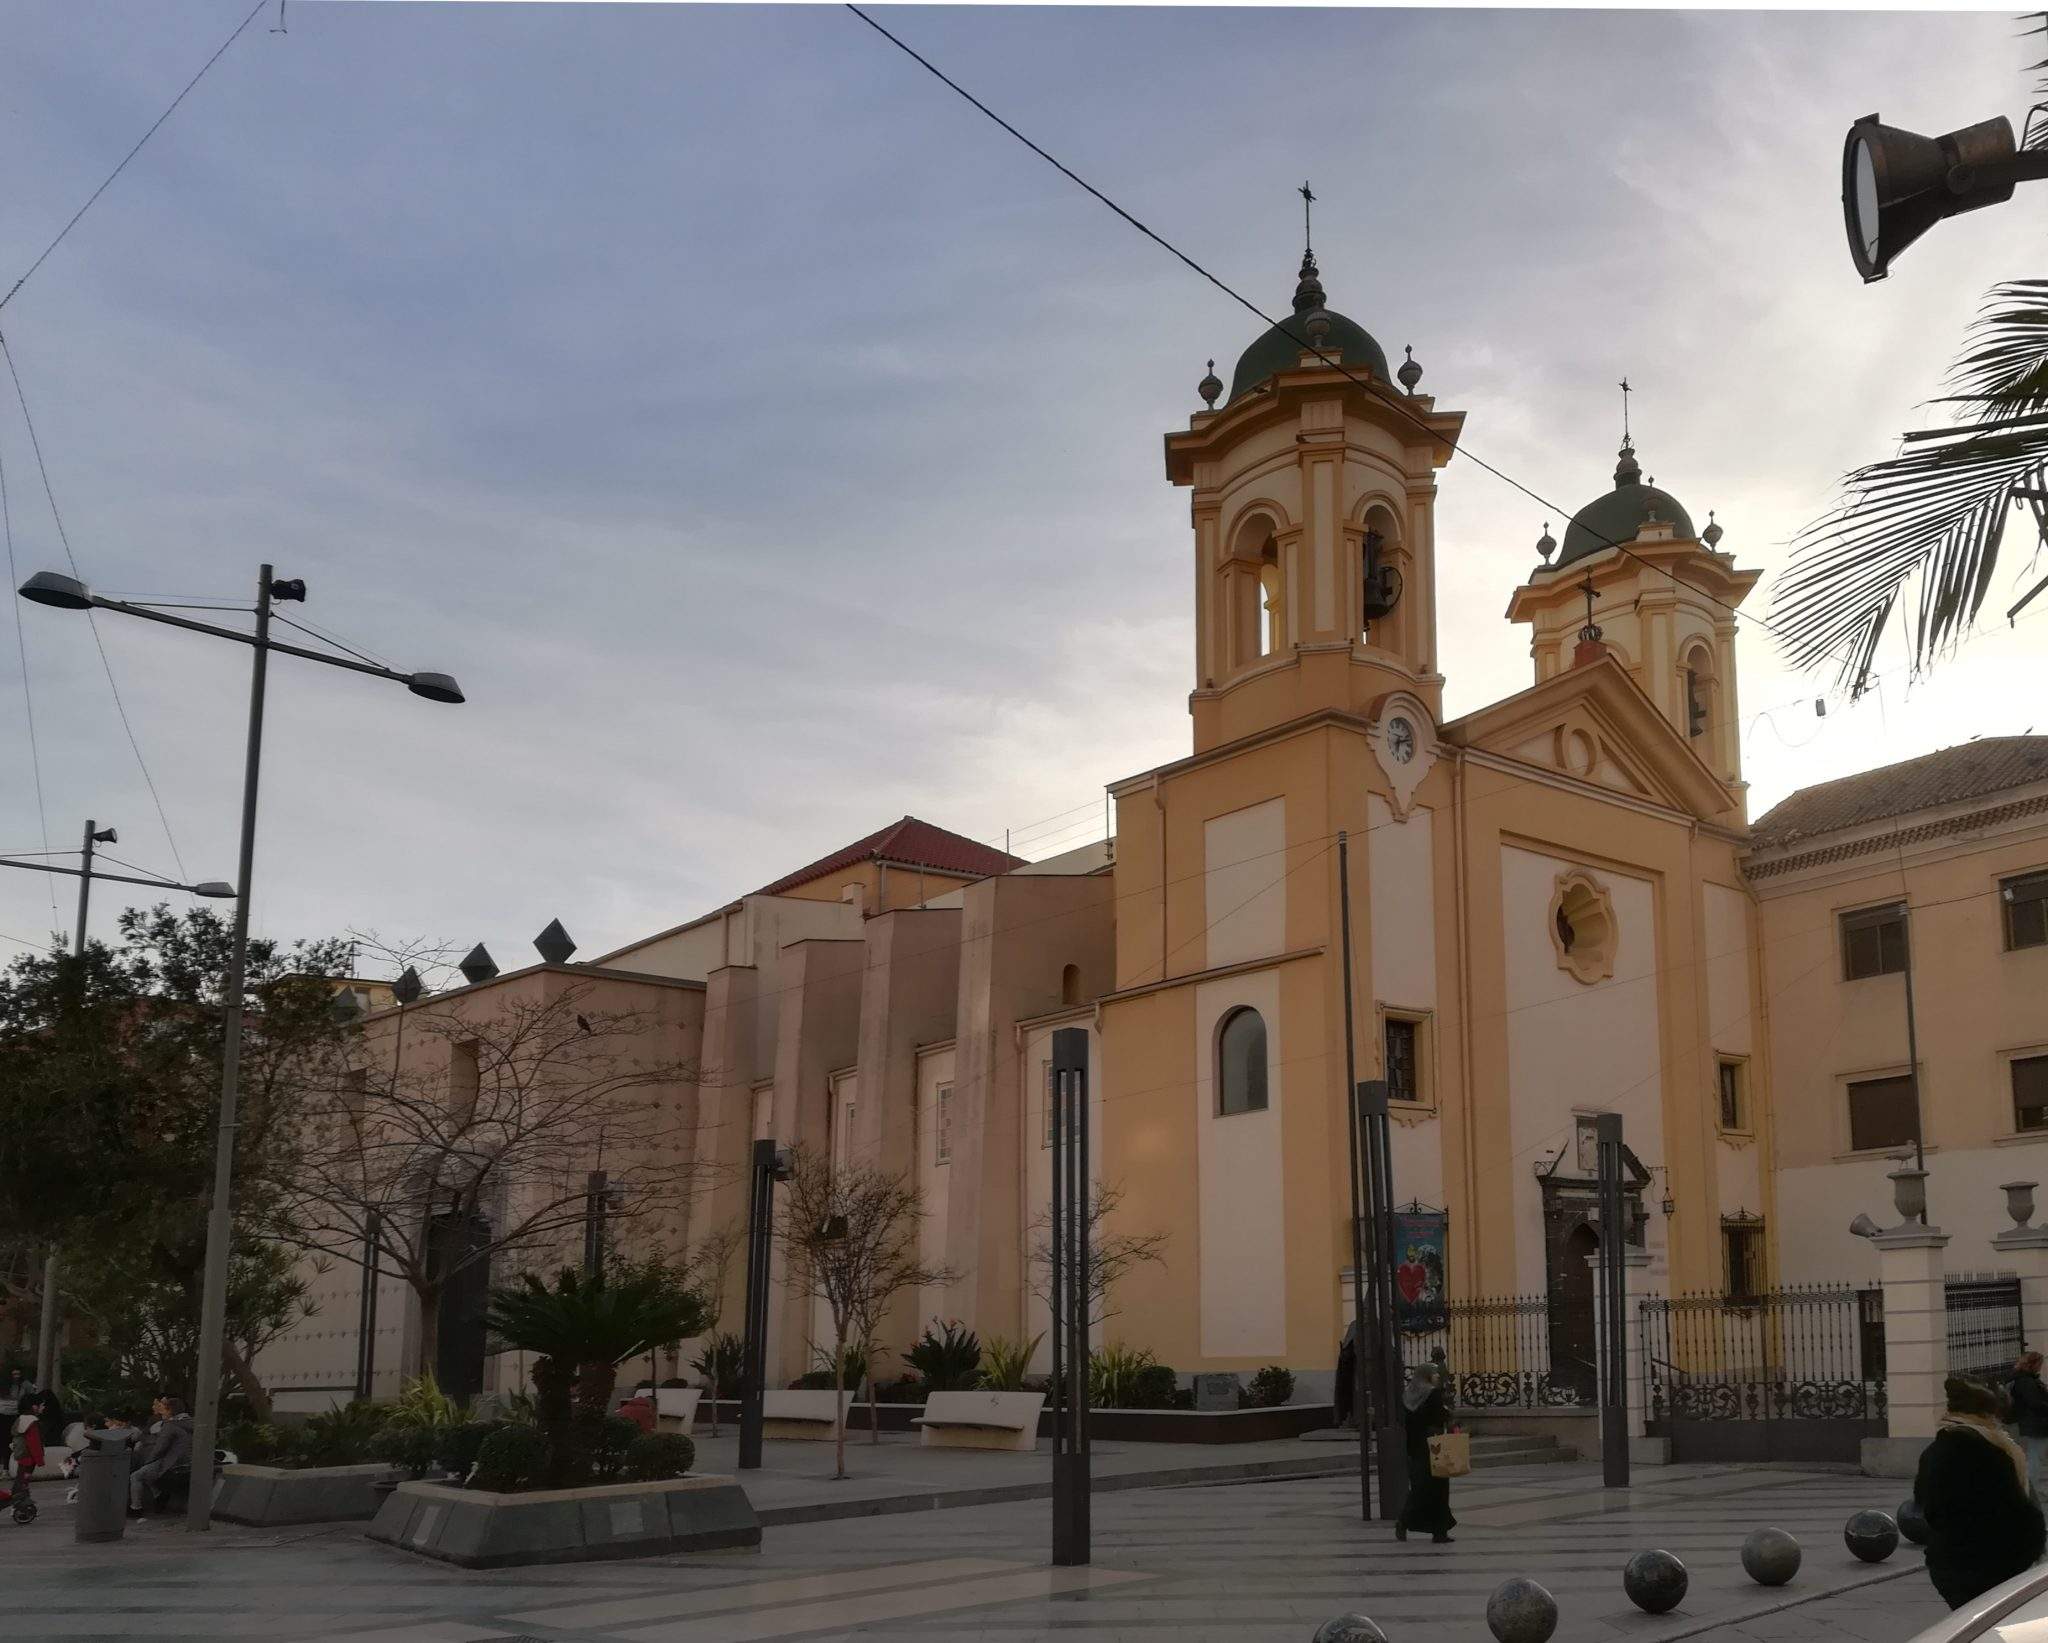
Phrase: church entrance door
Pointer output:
(1573, 1354)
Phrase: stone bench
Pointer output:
(478, 1529)
(981, 1420)
(675, 1408)
(803, 1415)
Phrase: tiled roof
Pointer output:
(907, 843)
(1991, 764)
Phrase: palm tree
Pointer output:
(1938, 509)
(582, 1328)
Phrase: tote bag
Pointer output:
(1450, 1455)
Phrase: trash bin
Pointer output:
(102, 1491)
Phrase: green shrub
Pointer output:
(856, 1366)
(614, 1437)
(1113, 1375)
(653, 1456)
(459, 1444)
(812, 1380)
(949, 1361)
(906, 1389)
(513, 1457)
(1156, 1387)
(722, 1363)
(421, 1402)
(341, 1436)
(1005, 1362)
(412, 1449)
(1270, 1388)
(257, 1442)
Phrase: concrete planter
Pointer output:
(1289, 1420)
(675, 1408)
(271, 1496)
(982, 1420)
(476, 1529)
(802, 1414)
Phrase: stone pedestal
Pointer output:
(1636, 1280)
(2025, 1251)
(1913, 1270)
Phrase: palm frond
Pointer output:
(2003, 373)
(1937, 511)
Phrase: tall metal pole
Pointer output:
(754, 1362)
(1360, 1378)
(1070, 1296)
(46, 1329)
(1377, 1147)
(366, 1325)
(1913, 1049)
(1614, 1306)
(213, 1304)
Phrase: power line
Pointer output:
(137, 149)
(28, 701)
(63, 536)
(1336, 363)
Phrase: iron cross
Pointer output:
(1625, 392)
(1307, 199)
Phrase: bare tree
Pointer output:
(437, 1162)
(1112, 1254)
(849, 1233)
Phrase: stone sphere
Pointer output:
(1349, 1628)
(1770, 1556)
(1520, 1611)
(1654, 1581)
(1912, 1522)
(1871, 1535)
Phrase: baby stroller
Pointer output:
(25, 1452)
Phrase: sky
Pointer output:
(771, 445)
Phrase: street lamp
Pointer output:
(46, 1337)
(1898, 184)
(68, 593)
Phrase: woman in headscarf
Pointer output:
(1425, 1411)
(1982, 1521)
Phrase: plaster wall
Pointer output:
(1245, 862)
(933, 1073)
(1241, 1182)
(1403, 891)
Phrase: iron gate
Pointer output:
(1500, 1351)
(1780, 1375)
(1985, 1333)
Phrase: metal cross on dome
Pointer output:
(1591, 630)
(1307, 199)
(1626, 390)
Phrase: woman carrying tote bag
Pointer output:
(1426, 1413)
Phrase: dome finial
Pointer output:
(1713, 533)
(1308, 290)
(1411, 373)
(1627, 471)
(1546, 544)
(1209, 387)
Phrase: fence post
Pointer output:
(2025, 1249)
(1913, 1270)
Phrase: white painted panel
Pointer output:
(1739, 1176)
(1245, 857)
(1817, 1203)
(934, 1179)
(1327, 536)
(1575, 1048)
(1241, 1229)
(1402, 890)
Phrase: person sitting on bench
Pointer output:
(165, 1453)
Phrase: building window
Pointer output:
(1697, 673)
(1070, 985)
(1404, 1068)
(2026, 911)
(1742, 1254)
(1883, 1112)
(1269, 610)
(942, 1124)
(1734, 1096)
(1241, 1063)
(1873, 942)
(1583, 927)
(2030, 1092)
(465, 1078)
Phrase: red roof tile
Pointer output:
(906, 843)
(1991, 764)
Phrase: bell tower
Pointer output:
(1313, 502)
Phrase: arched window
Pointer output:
(1070, 985)
(1241, 1063)
(1269, 610)
(1698, 683)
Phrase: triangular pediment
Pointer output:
(1595, 725)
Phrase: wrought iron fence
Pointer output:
(1985, 1329)
(1499, 1351)
(1785, 1354)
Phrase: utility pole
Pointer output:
(1363, 1373)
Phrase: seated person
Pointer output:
(166, 1453)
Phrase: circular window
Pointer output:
(1582, 927)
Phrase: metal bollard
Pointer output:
(102, 1491)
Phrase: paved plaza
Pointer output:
(1253, 1562)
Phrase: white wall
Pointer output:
(1402, 883)
(934, 1179)
(1816, 1205)
(1572, 1047)
(1245, 886)
(1241, 1231)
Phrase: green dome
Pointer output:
(1279, 351)
(1619, 515)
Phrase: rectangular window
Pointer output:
(942, 1123)
(1734, 1102)
(2026, 911)
(1743, 1260)
(1883, 1112)
(1873, 942)
(1404, 1073)
(2030, 1092)
(465, 1079)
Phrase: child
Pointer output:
(25, 1452)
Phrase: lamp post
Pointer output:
(1898, 184)
(68, 593)
(770, 1165)
(46, 1332)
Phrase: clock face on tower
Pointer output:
(1400, 740)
